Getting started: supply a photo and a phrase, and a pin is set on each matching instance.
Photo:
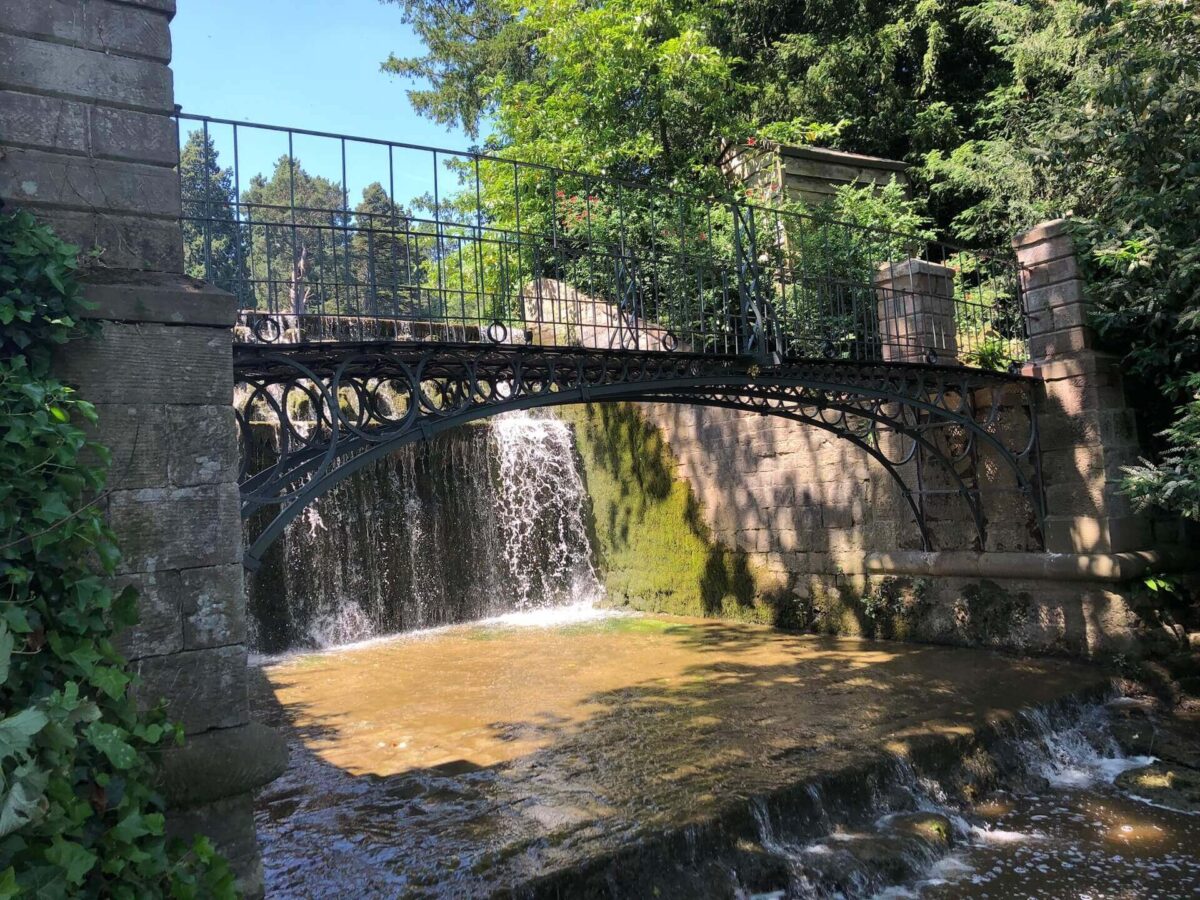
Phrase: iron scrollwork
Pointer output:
(332, 408)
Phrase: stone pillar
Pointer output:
(1088, 432)
(916, 312)
(88, 144)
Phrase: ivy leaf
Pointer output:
(110, 740)
(110, 680)
(130, 828)
(16, 732)
(8, 884)
(6, 649)
(44, 882)
(74, 858)
(23, 803)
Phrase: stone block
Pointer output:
(120, 241)
(136, 436)
(1046, 251)
(1009, 537)
(1095, 496)
(1085, 392)
(1054, 272)
(176, 528)
(35, 178)
(222, 763)
(214, 606)
(70, 126)
(160, 627)
(174, 365)
(34, 66)
(1060, 318)
(1061, 343)
(1043, 231)
(229, 823)
(1087, 467)
(203, 689)
(110, 27)
(837, 516)
(1089, 534)
(165, 298)
(1043, 299)
(203, 445)
(1111, 428)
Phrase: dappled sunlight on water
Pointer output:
(474, 757)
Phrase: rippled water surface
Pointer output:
(472, 759)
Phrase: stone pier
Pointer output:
(89, 145)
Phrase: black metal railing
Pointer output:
(328, 237)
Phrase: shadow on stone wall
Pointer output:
(653, 545)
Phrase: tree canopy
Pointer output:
(1008, 111)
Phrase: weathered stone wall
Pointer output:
(760, 519)
(823, 537)
(88, 144)
(85, 101)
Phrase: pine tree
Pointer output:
(213, 239)
(299, 237)
(387, 261)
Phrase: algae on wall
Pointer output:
(654, 550)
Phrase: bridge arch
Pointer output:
(359, 403)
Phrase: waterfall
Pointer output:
(540, 508)
(484, 520)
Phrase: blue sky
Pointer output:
(305, 64)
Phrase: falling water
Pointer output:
(483, 521)
(540, 504)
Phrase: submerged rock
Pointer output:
(1173, 786)
(933, 828)
(1141, 732)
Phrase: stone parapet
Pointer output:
(87, 138)
(1087, 429)
(161, 371)
(915, 309)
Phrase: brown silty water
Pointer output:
(635, 756)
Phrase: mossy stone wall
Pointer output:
(655, 551)
(708, 513)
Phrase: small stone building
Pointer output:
(811, 174)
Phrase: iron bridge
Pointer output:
(463, 285)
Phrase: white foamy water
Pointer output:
(490, 524)
(1079, 756)
(540, 507)
(554, 616)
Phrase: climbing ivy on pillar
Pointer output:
(79, 815)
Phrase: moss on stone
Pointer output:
(990, 615)
(655, 552)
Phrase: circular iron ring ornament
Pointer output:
(430, 389)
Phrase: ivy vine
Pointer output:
(79, 814)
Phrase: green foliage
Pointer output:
(1174, 481)
(78, 816)
(1012, 112)
(214, 245)
(649, 87)
(299, 223)
(1135, 153)
(387, 260)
